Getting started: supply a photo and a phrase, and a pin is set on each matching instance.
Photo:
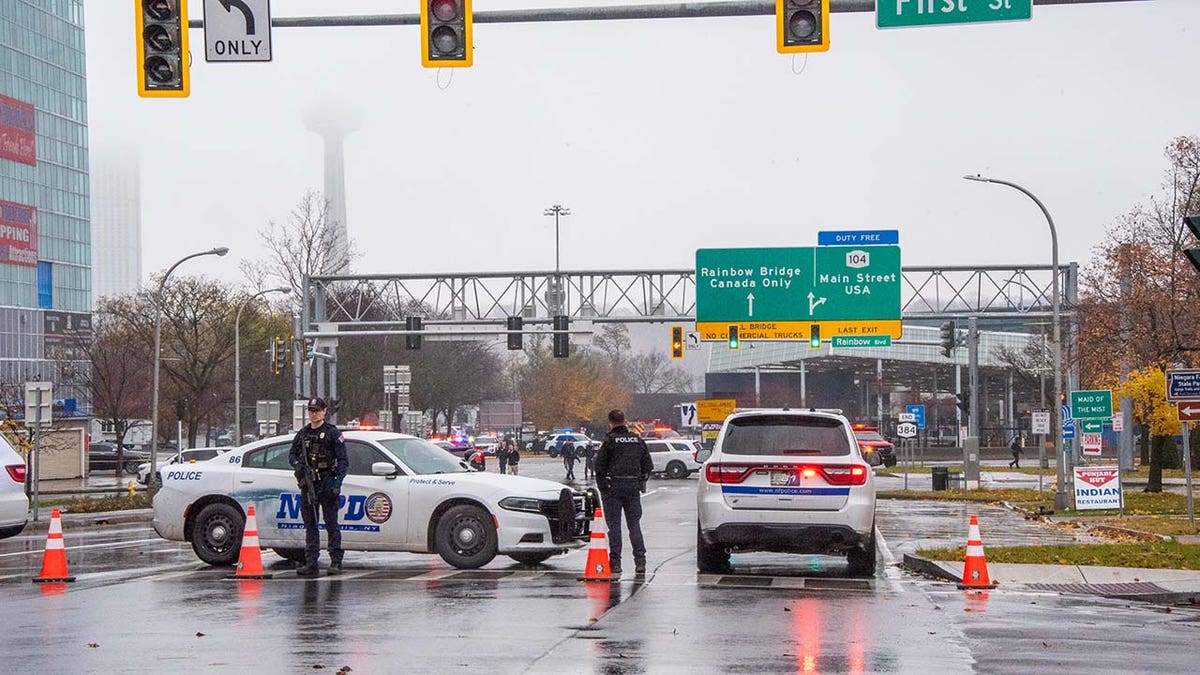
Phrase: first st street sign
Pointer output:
(780, 293)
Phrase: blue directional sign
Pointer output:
(1183, 385)
(918, 413)
(1068, 424)
(859, 238)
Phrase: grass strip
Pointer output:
(1159, 555)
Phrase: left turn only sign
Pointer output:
(237, 30)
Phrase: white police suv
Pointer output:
(401, 494)
(787, 481)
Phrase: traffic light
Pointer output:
(1193, 254)
(412, 341)
(162, 48)
(801, 26)
(677, 342)
(948, 338)
(734, 342)
(446, 33)
(515, 325)
(278, 354)
(562, 340)
(964, 402)
(814, 336)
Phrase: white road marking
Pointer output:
(120, 544)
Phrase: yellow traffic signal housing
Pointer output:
(677, 342)
(814, 336)
(162, 48)
(446, 33)
(734, 342)
(801, 26)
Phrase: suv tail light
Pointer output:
(834, 474)
(17, 472)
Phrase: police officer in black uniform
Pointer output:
(325, 449)
(623, 465)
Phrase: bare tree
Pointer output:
(306, 245)
(118, 378)
(652, 373)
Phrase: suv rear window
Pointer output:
(798, 435)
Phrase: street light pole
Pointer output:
(237, 361)
(1060, 496)
(556, 211)
(152, 479)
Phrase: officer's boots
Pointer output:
(335, 568)
(307, 570)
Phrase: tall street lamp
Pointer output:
(556, 211)
(237, 360)
(152, 479)
(1060, 496)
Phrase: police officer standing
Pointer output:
(320, 450)
(623, 465)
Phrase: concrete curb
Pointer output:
(90, 520)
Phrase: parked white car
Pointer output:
(402, 493)
(674, 458)
(14, 505)
(188, 456)
(786, 481)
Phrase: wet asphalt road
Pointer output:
(149, 606)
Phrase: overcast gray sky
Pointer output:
(662, 136)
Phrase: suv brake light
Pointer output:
(834, 474)
(852, 474)
(17, 472)
(727, 473)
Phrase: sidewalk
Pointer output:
(75, 521)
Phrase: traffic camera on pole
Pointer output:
(562, 339)
(1193, 254)
(677, 342)
(948, 338)
(515, 337)
(162, 48)
(801, 26)
(446, 33)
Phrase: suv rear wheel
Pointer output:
(676, 469)
(710, 559)
(862, 560)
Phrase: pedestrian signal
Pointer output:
(801, 26)
(162, 48)
(515, 337)
(412, 340)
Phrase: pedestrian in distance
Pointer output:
(568, 458)
(478, 460)
(1015, 446)
(589, 461)
(318, 456)
(502, 455)
(623, 465)
(514, 457)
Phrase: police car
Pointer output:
(401, 493)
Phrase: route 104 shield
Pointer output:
(1097, 487)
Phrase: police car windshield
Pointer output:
(785, 435)
(423, 457)
(869, 436)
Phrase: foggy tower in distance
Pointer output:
(332, 125)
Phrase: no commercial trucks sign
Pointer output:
(1097, 487)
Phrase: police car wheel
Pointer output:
(217, 537)
(131, 468)
(466, 537)
(710, 559)
(676, 470)
(531, 558)
(862, 560)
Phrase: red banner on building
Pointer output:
(18, 131)
(18, 234)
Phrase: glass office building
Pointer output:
(45, 240)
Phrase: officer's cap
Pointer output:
(316, 403)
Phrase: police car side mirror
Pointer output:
(703, 454)
(384, 469)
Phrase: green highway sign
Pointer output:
(780, 293)
(1091, 404)
(905, 13)
(1091, 426)
(862, 341)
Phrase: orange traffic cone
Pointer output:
(54, 559)
(597, 568)
(250, 559)
(975, 571)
